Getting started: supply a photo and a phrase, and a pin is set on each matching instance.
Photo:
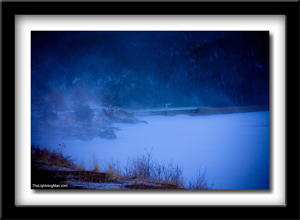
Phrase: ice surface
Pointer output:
(234, 148)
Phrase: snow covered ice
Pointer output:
(234, 148)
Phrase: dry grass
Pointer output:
(95, 162)
(112, 168)
(80, 165)
(54, 157)
(143, 167)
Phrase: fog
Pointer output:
(150, 69)
(234, 148)
(85, 87)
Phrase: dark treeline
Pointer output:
(140, 69)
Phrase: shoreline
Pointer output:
(207, 111)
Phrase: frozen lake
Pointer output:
(234, 148)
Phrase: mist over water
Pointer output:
(234, 148)
(86, 85)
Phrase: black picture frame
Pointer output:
(289, 9)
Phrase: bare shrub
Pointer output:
(200, 181)
(144, 167)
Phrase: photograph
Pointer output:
(150, 110)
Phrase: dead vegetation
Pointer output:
(140, 172)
